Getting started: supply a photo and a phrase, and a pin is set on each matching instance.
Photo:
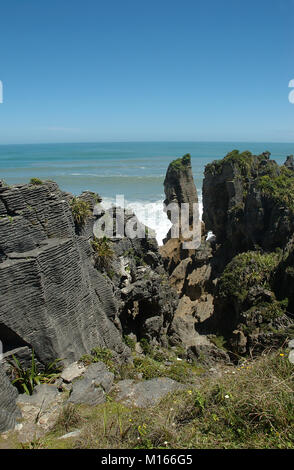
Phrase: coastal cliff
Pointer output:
(236, 288)
(127, 317)
(62, 293)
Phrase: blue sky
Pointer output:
(91, 70)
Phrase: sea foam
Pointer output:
(150, 214)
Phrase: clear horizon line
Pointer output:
(149, 141)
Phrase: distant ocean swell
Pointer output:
(134, 169)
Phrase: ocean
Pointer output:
(135, 170)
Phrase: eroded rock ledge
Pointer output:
(237, 287)
(232, 295)
(56, 299)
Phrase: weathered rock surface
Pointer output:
(253, 223)
(238, 284)
(9, 413)
(39, 412)
(147, 393)
(73, 371)
(289, 163)
(179, 186)
(240, 205)
(190, 269)
(146, 302)
(85, 392)
(55, 298)
(90, 389)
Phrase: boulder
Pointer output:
(91, 388)
(100, 376)
(85, 392)
(147, 393)
(9, 413)
(74, 370)
(39, 411)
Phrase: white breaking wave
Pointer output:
(150, 214)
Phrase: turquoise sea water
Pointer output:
(134, 169)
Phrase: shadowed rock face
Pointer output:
(8, 409)
(241, 203)
(179, 186)
(289, 163)
(190, 270)
(55, 299)
(248, 203)
(52, 297)
(238, 284)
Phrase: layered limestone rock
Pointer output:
(246, 202)
(52, 298)
(190, 269)
(146, 303)
(249, 205)
(9, 413)
(237, 287)
(179, 186)
(58, 294)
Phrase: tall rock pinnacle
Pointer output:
(179, 186)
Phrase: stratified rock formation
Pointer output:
(247, 203)
(190, 269)
(179, 186)
(66, 288)
(237, 287)
(52, 298)
(58, 296)
(8, 409)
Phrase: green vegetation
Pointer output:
(251, 406)
(218, 341)
(81, 210)
(244, 160)
(131, 253)
(69, 418)
(36, 181)
(279, 188)
(100, 355)
(159, 362)
(156, 363)
(103, 251)
(265, 312)
(181, 163)
(245, 286)
(247, 270)
(26, 380)
(130, 342)
(146, 346)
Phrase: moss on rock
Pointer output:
(245, 271)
